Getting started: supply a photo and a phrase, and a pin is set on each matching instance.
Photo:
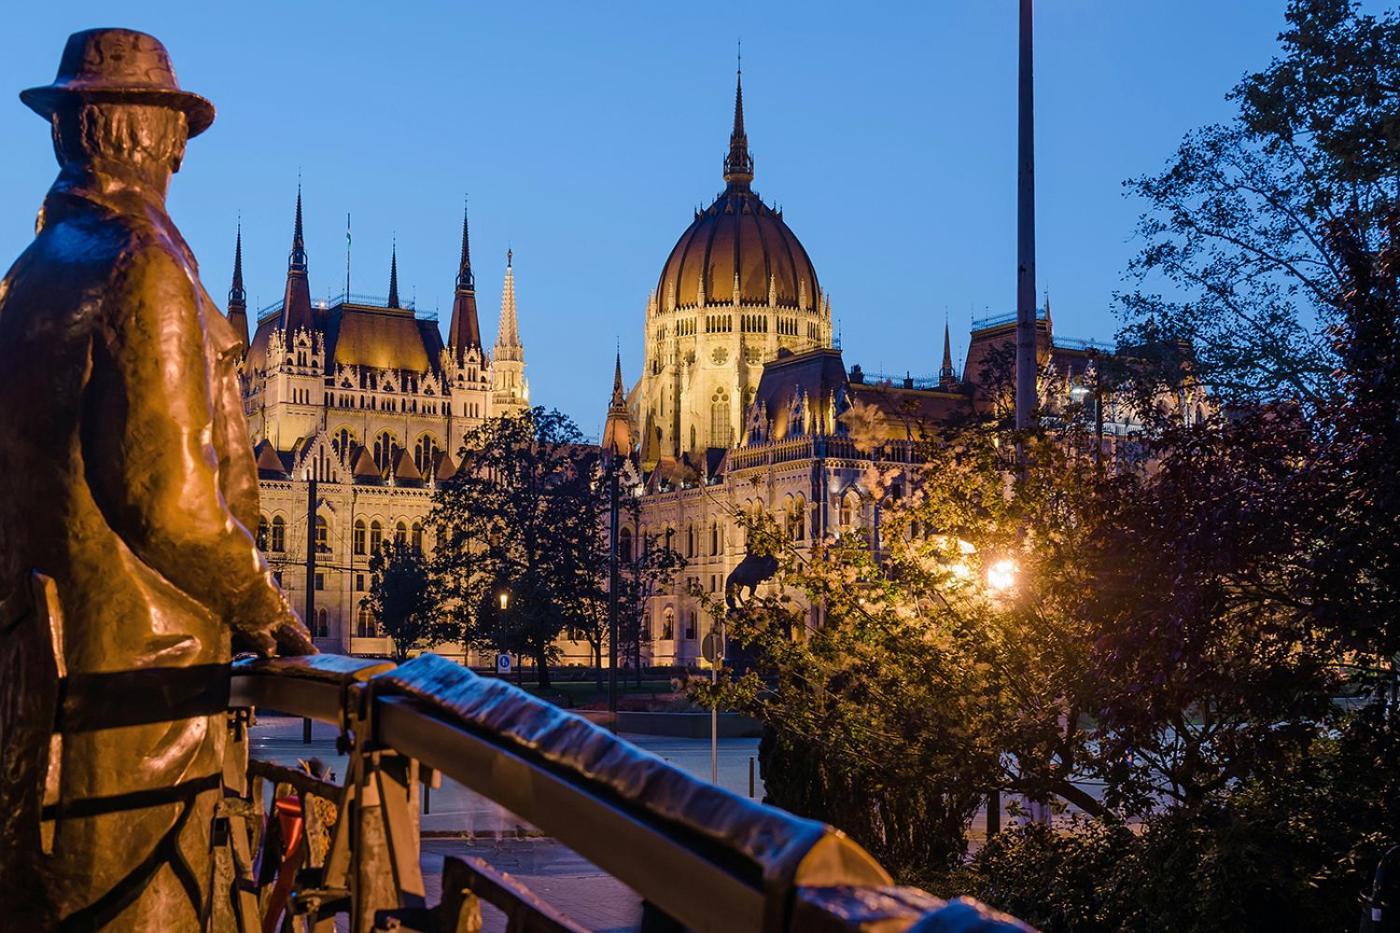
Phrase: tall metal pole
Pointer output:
(612, 587)
(1025, 232)
(311, 553)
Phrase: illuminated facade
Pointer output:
(744, 405)
(364, 396)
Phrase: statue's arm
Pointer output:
(148, 438)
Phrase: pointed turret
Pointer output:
(508, 333)
(237, 297)
(465, 331)
(394, 276)
(511, 391)
(946, 376)
(296, 299)
(738, 165)
(617, 431)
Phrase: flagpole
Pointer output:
(347, 256)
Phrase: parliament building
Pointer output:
(744, 403)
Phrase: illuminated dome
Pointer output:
(738, 235)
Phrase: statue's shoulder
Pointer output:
(77, 232)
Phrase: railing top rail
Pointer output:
(711, 859)
(698, 851)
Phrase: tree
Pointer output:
(400, 600)
(1235, 230)
(645, 568)
(521, 519)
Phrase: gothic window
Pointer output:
(690, 625)
(689, 540)
(721, 433)
(668, 624)
(376, 536)
(848, 509)
(359, 536)
(424, 452)
(714, 539)
(400, 533)
(797, 519)
(323, 628)
(278, 543)
(624, 545)
(323, 535)
(262, 532)
(364, 624)
(417, 536)
(342, 440)
(385, 447)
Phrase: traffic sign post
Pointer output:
(712, 648)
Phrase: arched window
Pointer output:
(624, 544)
(424, 452)
(323, 535)
(359, 536)
(417, 537)
(400, 533)
(690, 625)
(262, 532)
(797, 519)
(376, 536)
(689, 540)
(342, 440)
(278, 542)
(323, 628)
(364, 624)
(385, 447)
(721, 428)
(849, 509)
(668, 624)
(714, 538)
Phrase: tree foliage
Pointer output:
(1236, 262)
(521, 518)
(401, 601)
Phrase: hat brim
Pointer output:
(199, 112)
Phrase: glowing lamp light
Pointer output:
(505, 599)
(1001, 575)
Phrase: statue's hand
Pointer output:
(292, 638)
(272, 629)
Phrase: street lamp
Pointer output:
(505, 600)
(1001, 575)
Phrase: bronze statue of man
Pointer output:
(125, 512)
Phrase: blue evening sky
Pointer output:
(585, 133)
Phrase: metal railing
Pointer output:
(701, 857)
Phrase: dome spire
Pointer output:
(394, 275)
(738, 165)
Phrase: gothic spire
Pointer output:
(738, 165)
(464, 333)
(465, 279)
(237, 296)
(618, 397)
(946, 375)
(508, 333)
(617, 430)
(298, 256)
(394, 276)
(296, 298)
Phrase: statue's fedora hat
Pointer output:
(118, 65)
